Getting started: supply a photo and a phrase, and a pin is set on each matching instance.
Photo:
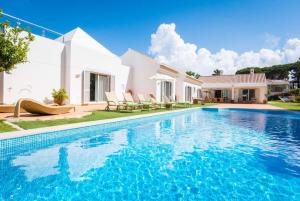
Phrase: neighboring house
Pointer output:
(149, 76)
(75, 61)
(236, 88)
(276, 87)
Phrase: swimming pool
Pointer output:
(201, 154)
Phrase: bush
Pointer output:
(60, 96)
(297, 99)
(295, 92)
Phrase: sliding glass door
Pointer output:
(248, 94)
(199, 93)
(99, 84)
(166, 90)
(188, 93)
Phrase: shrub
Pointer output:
(295, 92)
(60, 96)
(297, 99)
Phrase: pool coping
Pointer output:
(35, 131)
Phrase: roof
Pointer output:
(277, 82)
(82, 38)
(162, 65)
(257, 78)
(159, 76)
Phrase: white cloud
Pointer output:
(168, 47)
(292, 49)
(271, 41)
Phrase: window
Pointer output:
(188, 93)
(218, 93)
(166, 90)
(248, 94)
(199, 93)
(225, 94)
(99, 84)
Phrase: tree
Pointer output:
(193, 74)
(14, 45)
(275, 72)
(217, 72)
(295, 72)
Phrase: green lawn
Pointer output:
(289, 106)
(97, 115)
(5, 128)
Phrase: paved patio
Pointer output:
(80, 111)
(84, 110)
(247, 106)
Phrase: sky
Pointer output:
(198, 35)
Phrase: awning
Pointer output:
(159, 76)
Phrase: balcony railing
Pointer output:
(34, 28)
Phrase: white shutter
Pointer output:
(86, 87)
(112, 83)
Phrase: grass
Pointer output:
(285, 105)
(97, 115)
(5, 128)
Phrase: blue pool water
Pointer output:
(203, 154)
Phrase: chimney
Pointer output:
(252, 71)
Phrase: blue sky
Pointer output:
(239, 25)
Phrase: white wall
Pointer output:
(142, 69)
(82, 59)
(194, 89)
(37, 78)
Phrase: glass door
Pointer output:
(248, 94)
(199, 93)
(166, 90)
(188, 93)
(99, 84)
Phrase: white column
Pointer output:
(232, 93)
(173, 90)
(158, 91)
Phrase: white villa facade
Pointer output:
(75, 61)
(149, 76)
(86, 69)
(236, 88)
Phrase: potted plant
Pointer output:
(60, 96)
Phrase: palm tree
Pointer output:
(217, 72)
(193, 74)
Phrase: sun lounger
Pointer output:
(168, 102)
(285, 99)
(112, 101)
(129, 102)
(156, 103)
(8, 109)
(146, 104)
(35, 107)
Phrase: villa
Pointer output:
(110, 141)
(75, 61)
(86, 69)
(276, 87)
(149, 76)
(236, 88)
